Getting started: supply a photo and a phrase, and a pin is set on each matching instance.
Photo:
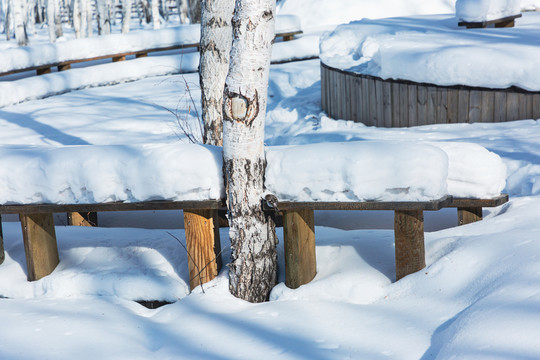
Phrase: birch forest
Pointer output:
(19, 19)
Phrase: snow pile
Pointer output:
(432, 49)
(328, 13)
(383, 171)
(486, 10)
(95, 174)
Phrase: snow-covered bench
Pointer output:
(402, 177)
(42, 58)
(483, 13)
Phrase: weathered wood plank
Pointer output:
(357, 96)
(536, 106)
(467, 215)
(463, 109)
(442, 99)
(43, 71)
(432, 110)
(422, 107)
(409, 242)
(372, 103)
(379, 103)
(64, 67)
(469, 202)
(488, 105)
(499, 106)
(348, 97)
(2, 253)
(412, 94)
(387, 104)
(203, 245)
(396, 111)
(299, 244)
(403, 105)
(82, 218)
(475, 106)
(452, 116)
(512, 106)
(324, 88)
(365, 101)
(525, 106)
(39, 245)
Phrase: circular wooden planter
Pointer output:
(400, 103)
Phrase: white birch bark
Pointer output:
(195, 11)
(58, 19)
(216, 39)
(183, 11)
(156, 21)
(17, 10)
(253, 265)
(30, 17)
(103, 17)
(126, 16)
(87, 4)
(77, 17)
(50, 20)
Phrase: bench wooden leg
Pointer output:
(141, 55)
(64, 67)
(409, 242)
(2, 254)
(82, 219)
(43, 71)
(505, 24)
(299, 243)
(203, 245)
(118, 58)
(39, 244)
(467, 215)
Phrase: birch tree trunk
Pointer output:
(216, 38)
(253, 265)
(77, 18)
(17, 11)
(195, 11)
(182, 7)
(87, 4)
(58, 19)
(156, 21)
(50, 20)
(126, 15)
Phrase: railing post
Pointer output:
(409, 242)
(467, 215)
(82, 219)
(299, 243)
(203, 245)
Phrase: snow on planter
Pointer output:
(95, 174)
(432, 49)
(486, 10)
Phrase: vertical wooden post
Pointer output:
(299, 242)
(39, 244)
(43, 71)
(203, 245)
(118, 58)
(2, 254)
(82, 219)
(467, 215)
(409, 242)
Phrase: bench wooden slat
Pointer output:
(112, 206)
(469, 202)
(507, 21)
(367, 205)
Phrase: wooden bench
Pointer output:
(200, 222)
(299, 230)
(121, 56)
(505, 22)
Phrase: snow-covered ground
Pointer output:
(478, 297)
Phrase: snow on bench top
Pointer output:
(42, 54)
(486, 10)
(432, 49)
(353, 171)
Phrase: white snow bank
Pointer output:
(383, 171)
(486, 10)
(322, 13)
(431, 49)
(95, 174)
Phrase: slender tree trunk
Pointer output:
(253, 267)
(58, 19)
(77, 18)
(17, 8)
(195, 11)
(103, 17)
(216, 38)
(31, 16)
(183, 11)
(50, 20)
(156, 21)
(126, 15)
(89, 14)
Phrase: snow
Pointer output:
(486, 10)
(476, 299)
(432, 49)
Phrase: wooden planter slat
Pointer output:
(399, 103)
